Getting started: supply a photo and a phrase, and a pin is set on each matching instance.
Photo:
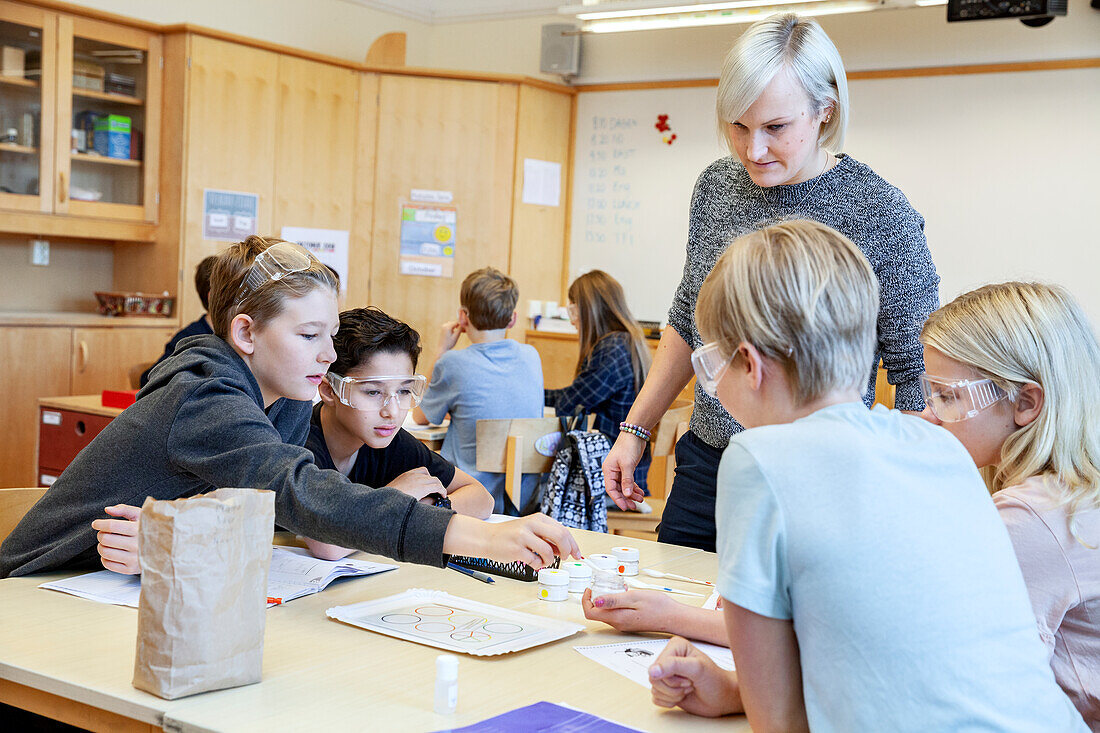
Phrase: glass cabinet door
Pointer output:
(26, 107)
(109, 105)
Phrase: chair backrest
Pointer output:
(667, 432)
(14, 503)
(507, 445)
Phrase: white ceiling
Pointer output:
(457, 11)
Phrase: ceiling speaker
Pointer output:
(561, 49)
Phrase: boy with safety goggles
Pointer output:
(356, 427)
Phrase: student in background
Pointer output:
(356, 427)
(613, 361)
(1011, 373)
(199, 326)
(868, 582)
(232, 409)
(494, 377)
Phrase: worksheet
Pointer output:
(438, 619)
(632, 659)
(294, 573)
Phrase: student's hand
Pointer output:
(448, 335)
(418, 483)
(534, 540)
(618, 470)
(634, 610)
(684, 677)
(117, 539)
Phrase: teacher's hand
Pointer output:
(618, 470)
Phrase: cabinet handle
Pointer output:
(82, 356)
(62, 189)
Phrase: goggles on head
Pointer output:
(959, 400)
(374, 393)
(274, 263)
(710, 365)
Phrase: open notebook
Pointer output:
(294, 573)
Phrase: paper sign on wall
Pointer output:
(428, 239)
(330, 246)
(541, 182)
(229, 216)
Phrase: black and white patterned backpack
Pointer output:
(572, 492)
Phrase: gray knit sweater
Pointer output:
(855, 201)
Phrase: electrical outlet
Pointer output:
(40, 252)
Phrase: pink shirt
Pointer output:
(1063, 581)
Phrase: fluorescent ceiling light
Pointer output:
(692, 8)
(749, 14)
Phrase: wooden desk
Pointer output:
(73, 659)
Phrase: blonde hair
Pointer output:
(1019, 333)
(805, 296)
(602, 310)
(489, 297)
(265, 302)
(785, 41)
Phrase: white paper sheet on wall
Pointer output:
(541, 182)
(330, 246)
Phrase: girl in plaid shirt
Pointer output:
(613, 361)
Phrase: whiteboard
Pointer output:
(1002, 166)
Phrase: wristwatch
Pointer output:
(442, 501)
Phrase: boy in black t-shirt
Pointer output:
(356, 428)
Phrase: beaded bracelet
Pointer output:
(636, 430)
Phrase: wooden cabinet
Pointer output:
(104, 358)
(54, 361)
(77, 70)
(27, 104)
(36, 364)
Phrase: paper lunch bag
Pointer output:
(204, 563)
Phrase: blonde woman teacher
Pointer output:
(782, 107)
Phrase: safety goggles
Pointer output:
(710, 365)
(274, 263)
(374, 393)
(959, 400)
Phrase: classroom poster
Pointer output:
(330, 246)
(427, 239)
(229, 216)
(541, 182)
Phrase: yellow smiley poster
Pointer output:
(427, 239)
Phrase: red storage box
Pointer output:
(121, 398)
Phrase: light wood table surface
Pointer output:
(320, 674)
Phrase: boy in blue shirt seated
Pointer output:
(494, 377)
(356, 427)
(197, 327)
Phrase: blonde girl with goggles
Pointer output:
(1011, 372)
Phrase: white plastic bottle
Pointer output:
(446, 684)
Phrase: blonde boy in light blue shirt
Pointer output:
(868, 581)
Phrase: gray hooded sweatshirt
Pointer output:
(199, 424)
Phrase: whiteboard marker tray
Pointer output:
(438, 619)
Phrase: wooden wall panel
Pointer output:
(232, 106)
(448, 135)
(36, 364)
(316, 133)
(538, 232)
(360, 247)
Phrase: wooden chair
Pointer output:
(14, 503)
(508, 446)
